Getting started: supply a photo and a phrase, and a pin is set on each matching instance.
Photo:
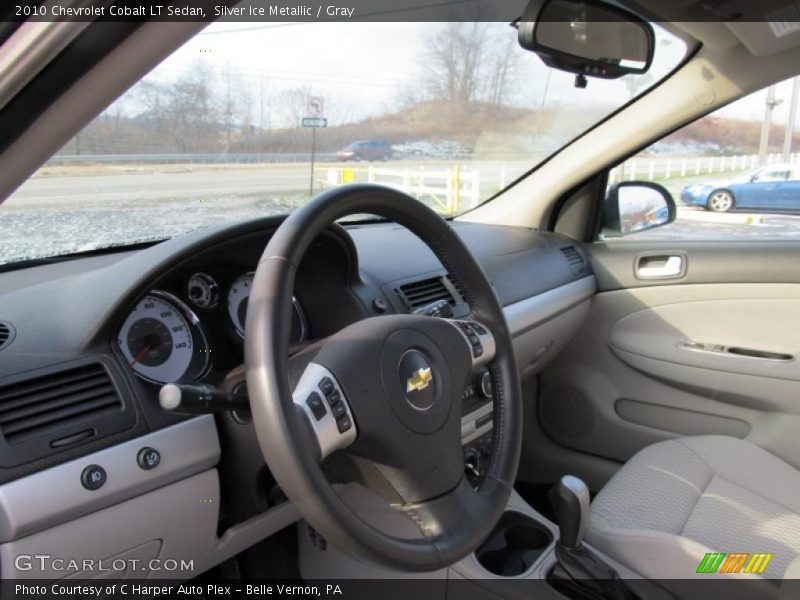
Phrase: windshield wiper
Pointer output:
(59, 258)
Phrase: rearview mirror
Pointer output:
(634, 206)
(587, 38)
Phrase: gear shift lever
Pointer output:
(570, 500)
(579, 573)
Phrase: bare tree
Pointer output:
(503, 63)
(291, 105)
(234, 103)
(452, 63)
(184, 110)
(469, 62)
(263, 108)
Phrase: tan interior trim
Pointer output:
(29, 49)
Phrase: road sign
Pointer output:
(316, 105)
(315, 122)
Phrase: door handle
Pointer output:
(721, 350)
(660, 266)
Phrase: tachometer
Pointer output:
(239, 294)
(162, 340)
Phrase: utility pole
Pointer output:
(313, 157)
(787, 139)
(771, 103)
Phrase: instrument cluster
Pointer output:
(165, 341)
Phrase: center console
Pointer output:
(517, 561)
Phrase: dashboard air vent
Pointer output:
(575, 259)
(6, 334)
(422, 293)
(455, 285)
(47, 404)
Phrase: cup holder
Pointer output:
(514, 545)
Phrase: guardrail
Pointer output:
(188, 158)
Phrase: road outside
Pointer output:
(72, 209)
(68, 209)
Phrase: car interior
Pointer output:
(518, 399)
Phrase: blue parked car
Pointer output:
(776, 187)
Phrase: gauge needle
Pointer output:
(144, 351)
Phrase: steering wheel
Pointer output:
(385, 389)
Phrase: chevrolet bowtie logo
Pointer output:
(420, 380)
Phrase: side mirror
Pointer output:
(634, 206)
(587, 37)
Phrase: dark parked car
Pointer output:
(366, 150)
(776, 187)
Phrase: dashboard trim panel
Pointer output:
(526, 314)
(55, 495)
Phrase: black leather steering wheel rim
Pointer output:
(451, 525)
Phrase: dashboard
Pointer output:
(95, 338)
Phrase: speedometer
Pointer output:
(238, 296)
(162, 341)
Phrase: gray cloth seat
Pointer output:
(677, 500)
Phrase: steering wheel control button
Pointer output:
(316, 405)
(93, 477)
(333, 398)
(480, 340)
(326, 385)
(479, 329)
(344, 423)
(338, 409)
(148, 458)
(463, 327)
(317, 389)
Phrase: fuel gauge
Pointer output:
(202, 290)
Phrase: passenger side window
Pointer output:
(768, 175)
(734, 174)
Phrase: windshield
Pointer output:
(248, 120)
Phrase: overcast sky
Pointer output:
(366, 66)
(366, 63)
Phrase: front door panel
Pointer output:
(716, 351)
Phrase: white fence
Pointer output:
(657, 167)
(448, 190)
